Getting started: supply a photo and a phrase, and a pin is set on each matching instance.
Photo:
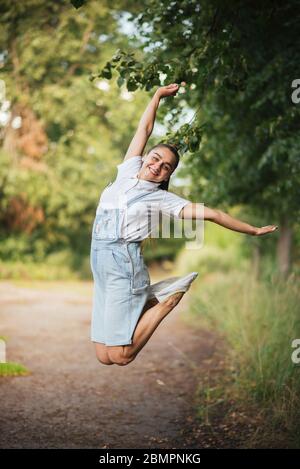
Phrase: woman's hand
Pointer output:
(169, 90)
(265, 229)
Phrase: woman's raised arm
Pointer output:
(197, 211)
(147, 120)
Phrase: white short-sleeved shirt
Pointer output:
(141, 218)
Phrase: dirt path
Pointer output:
(70, 400)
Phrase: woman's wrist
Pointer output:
(148, 118)
(157, 94)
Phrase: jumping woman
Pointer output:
(126, 308)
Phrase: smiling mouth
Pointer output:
(153, 172)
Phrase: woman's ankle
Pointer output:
(172, 300)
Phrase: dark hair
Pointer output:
(165, 184)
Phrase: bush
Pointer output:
(259, 320)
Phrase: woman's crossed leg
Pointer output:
(152, 314)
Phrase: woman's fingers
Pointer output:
(175, 85)
(169, 90)
(271, 228)
(266, 229)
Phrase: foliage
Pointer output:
(239, 61)
(12, 369)
(240, 147)
(258, 321)
(49, 192)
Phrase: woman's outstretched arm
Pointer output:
(147, 121)
(199, 211)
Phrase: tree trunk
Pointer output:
(284, 247)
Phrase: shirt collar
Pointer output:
(144, 184)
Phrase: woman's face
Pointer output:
(158, 165)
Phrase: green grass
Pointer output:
(13, 369)
(10, 368)
(55, 267)
(258, 320)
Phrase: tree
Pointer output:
(65, 134)
(241, 59)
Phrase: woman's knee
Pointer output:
(118, 356)
(102, 354)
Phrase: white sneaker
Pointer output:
(165, 288)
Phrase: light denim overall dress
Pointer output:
(121, 279)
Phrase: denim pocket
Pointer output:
(122, 262)
(140, 279)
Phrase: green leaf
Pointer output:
(131, 85)
(77, 3)
(106, 73)
(193, 144)
(120, 81)
(117, 56)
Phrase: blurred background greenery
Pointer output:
(74, 80)
(74, 83)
